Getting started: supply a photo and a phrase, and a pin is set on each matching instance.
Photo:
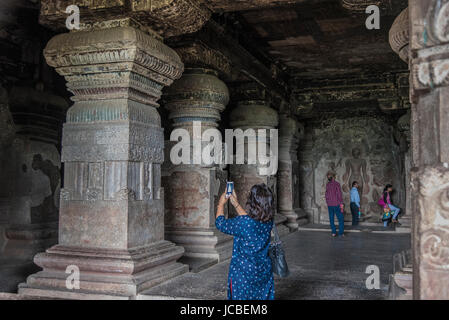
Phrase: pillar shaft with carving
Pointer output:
(290, 131)
(199, 96)
(429, 64)
(111, 222)
(254, 115)
(403, 127)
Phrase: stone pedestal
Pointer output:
(111, 224)
(429, 64)
(290, 131)
(401, 281)
(194, 189)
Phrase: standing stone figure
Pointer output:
(356, 171)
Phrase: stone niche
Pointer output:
(34, 204)
(30, 172)
(358, 149)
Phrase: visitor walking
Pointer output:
(334, 200)
(385, 202)
(355, 203)
(250, 272)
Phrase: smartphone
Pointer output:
(229, 188)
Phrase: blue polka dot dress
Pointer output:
(250, 273)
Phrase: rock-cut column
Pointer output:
(403, 127)
(254, 115)
(199, 96)
(429, 65)
(111, 225)
(290, 131)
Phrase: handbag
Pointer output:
(277, 256)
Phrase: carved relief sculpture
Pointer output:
(356, 171)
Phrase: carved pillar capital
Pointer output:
(196, 54)
(199, 95)
(430, 45)
(399, 35)
(429, 66)
(255, 114)
(361, 5)
(117, 63)
(166, 17)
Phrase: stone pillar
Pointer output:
(194, 189)
(30, 171)
(255, 115)
(429, 64)
(7, 134)
(111, 224)
(290, 131)
(34, 166)
(403, 126)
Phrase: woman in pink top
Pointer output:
(385, 201)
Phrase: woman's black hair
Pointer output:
(386, 191)
(260, 204)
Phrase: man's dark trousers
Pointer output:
(355, 213)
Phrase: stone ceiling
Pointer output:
(297, 49)
(316, 38)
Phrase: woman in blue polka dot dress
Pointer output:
(250, 273)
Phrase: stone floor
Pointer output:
(321, 267)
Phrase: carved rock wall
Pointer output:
(356, 148)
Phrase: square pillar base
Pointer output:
(104, 274)
(202, 243)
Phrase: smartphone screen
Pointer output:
(229, 188)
